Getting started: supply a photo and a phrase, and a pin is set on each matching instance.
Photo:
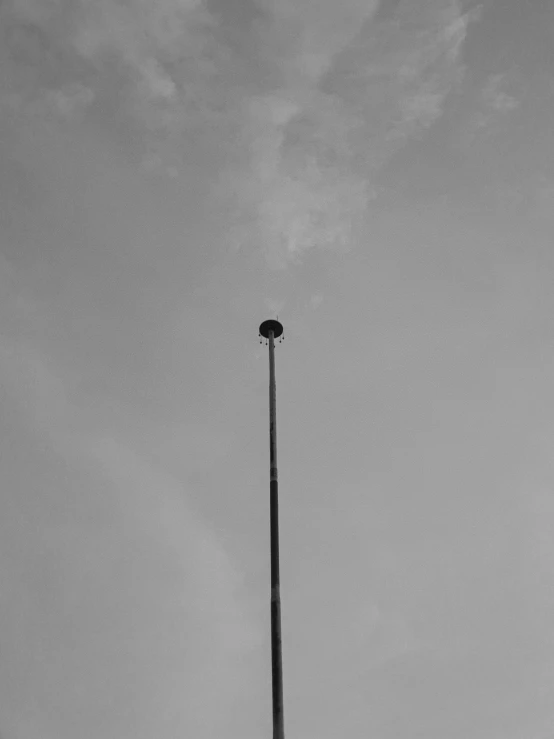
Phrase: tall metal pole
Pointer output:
(271, 330)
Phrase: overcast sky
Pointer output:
(381, 175)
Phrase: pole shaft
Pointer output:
(276, 640)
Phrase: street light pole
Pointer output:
(272, 330)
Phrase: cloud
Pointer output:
(398, 75)
(146, 37)
(497, 98)
(319, 141)
(493, 104)
(145, 49)
(297, 191)
(300, 143)
(141, 34)
(306, 35)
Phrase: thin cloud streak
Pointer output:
(299, 153)
(319, 141)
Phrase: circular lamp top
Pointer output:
(271, 325)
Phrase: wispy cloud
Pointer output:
(144, 49)
(495, 96)
(301, 145)
(342, 112)
(305, 36)
(494, 102)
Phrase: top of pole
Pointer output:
(271, 325)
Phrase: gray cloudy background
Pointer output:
(381, 175)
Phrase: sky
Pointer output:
(380, 175)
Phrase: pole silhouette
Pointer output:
(272, 330)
